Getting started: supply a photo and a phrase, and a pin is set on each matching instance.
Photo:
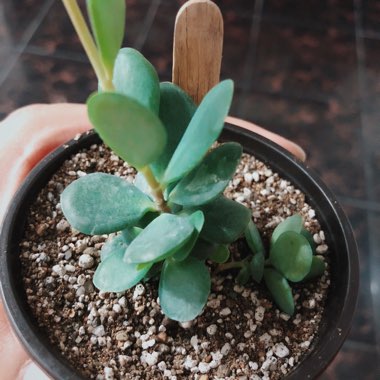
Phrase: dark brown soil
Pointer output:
(240, 335)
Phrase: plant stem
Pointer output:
(156, 189)
(230, 265)
(88, 43)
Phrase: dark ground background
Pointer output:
(309, 70)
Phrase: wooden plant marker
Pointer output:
(198, 45)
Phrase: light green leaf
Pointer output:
(135, 77)
(160, 239)
(204, 128)
(113, 245)
(176, 111)
(293, 223)
(130, 233)
(220, 255)
(256, 266)
(114, 275)
(225, 220)
(141, 183)
(291, 255)
(203, 249)
(280, 290)
(243, 276)
(317, 268)
(209, 178)
(107, 22)
(184, 288)
(252, 235)
(309, 238)
(197, 220)
(101, 203)
(128, 128)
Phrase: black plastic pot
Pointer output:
(342, 295)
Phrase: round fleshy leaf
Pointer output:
(291, 255)
(102, 203)
(184, 288)
(317, 268)
(280, 290)
(203, 249)
(115, 275)
(309, 238)
(135, 77)
(253, 238)
(243, 276)
(131, 130)
(220, 255)
(225, 220)
(209, 178)
(113, 245)
(204, 128)
(160, 239)
(293, 223)
(107, 22)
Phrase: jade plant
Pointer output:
(174, 219)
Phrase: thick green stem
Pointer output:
(88, 43)
(230, 265)
(156, 189)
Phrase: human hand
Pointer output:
(26, 136)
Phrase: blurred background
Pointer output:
(309, 70)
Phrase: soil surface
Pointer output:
(240, 334)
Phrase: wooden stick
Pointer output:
(198, 45)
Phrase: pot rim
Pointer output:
(57, 366)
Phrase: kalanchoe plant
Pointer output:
(174, 217)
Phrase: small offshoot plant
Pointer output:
(174, 218)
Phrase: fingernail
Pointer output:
(32, 372)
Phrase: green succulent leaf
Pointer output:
(101, 203)
(203, 249)
(197, 220)
(225, 220)
(293, 223)
(280, 290)
(252, 235)
(204, 128)
(141, 183)
(243, 276)
(107, 22)
(160, 239)
(184, 288)
(115, 275)
(209, 178)
(113, 245)
(131, 130)
(220, 255)
(309, 238)
(317, 268)
(292, 255)
(176, 111)
(135, 77)
(256, 266)
(130, 233)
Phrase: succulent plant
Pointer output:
(174, 217)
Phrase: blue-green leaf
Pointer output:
(256, 266)
(209, 178)
(131, 130)
(309, 238)
(280, 290)
(160, 239)
(204, 128)
(115, 275)
(101, 203)
(225, 220)
(113, 245)
(176, 111)
(135, 77)
(184, 288)
(220, 255)
(291, 255)
(293, 223)
(107, 22)
(197, 220)
(317, 268)
(252, 235)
